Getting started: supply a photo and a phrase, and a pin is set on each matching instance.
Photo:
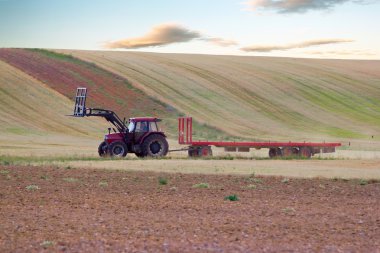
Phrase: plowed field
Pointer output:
(89, 210)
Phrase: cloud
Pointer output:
(343, 53)
(299, 6)
(165, 34)
(221, 42)
(160, 35)
(269, 48)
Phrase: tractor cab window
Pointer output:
(131, 126)
(153, 127)
(141, 127)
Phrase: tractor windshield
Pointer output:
(131, 126)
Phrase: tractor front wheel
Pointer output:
(118, 149)
(102, 149)
(155, 146)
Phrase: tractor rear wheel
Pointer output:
(102, 149)
(155, 146)
(118, 149)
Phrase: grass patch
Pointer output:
(201, 185)
(289, 210)
(252, 186)
(162, 181)
(47, 244)
(44, 177)
(71, 179)
(103, 184)
(32, 187)
(363, 182)
(4, 172)
(285, 180)
(256, 180)
(232, 198)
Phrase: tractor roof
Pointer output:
(150, 119)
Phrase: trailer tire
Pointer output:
(275, 152)
(305, 152)
(103, 149)
(155, 146)
(206, 151)
(272, 153)
(287, 151)
(117, 149)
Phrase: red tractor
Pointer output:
(142, 135)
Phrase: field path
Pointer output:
(368, 169)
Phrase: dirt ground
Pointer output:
(50, 209)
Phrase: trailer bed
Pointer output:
(276, 149)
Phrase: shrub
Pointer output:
(47, 244)
(32, 187)
(285, 180)
(288, 209)
(70, 179)
(4, 172)
(201, 185)
(363, 182)
(252, 186)
(231, 198)
(256, 180)
(162, 181)
(103, 184)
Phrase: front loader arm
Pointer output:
(80, 110)
(110, 116)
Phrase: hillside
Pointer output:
(33, 121)
(64, 73)
(263, 98)
(229, 96)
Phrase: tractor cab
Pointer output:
(138, 128)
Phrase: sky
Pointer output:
(343, 29)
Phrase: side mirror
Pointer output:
(109, 130)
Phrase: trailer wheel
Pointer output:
(275, 152)
(118, 149)
(287, 151)
(155, 146)
(272, 153)
(295, 151)
(192, 152)
(103, 149)
(206, 151)
(305, 152)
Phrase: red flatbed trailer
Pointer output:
(276, 149)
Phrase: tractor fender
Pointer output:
(149, 134)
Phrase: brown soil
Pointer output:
(93, 210)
